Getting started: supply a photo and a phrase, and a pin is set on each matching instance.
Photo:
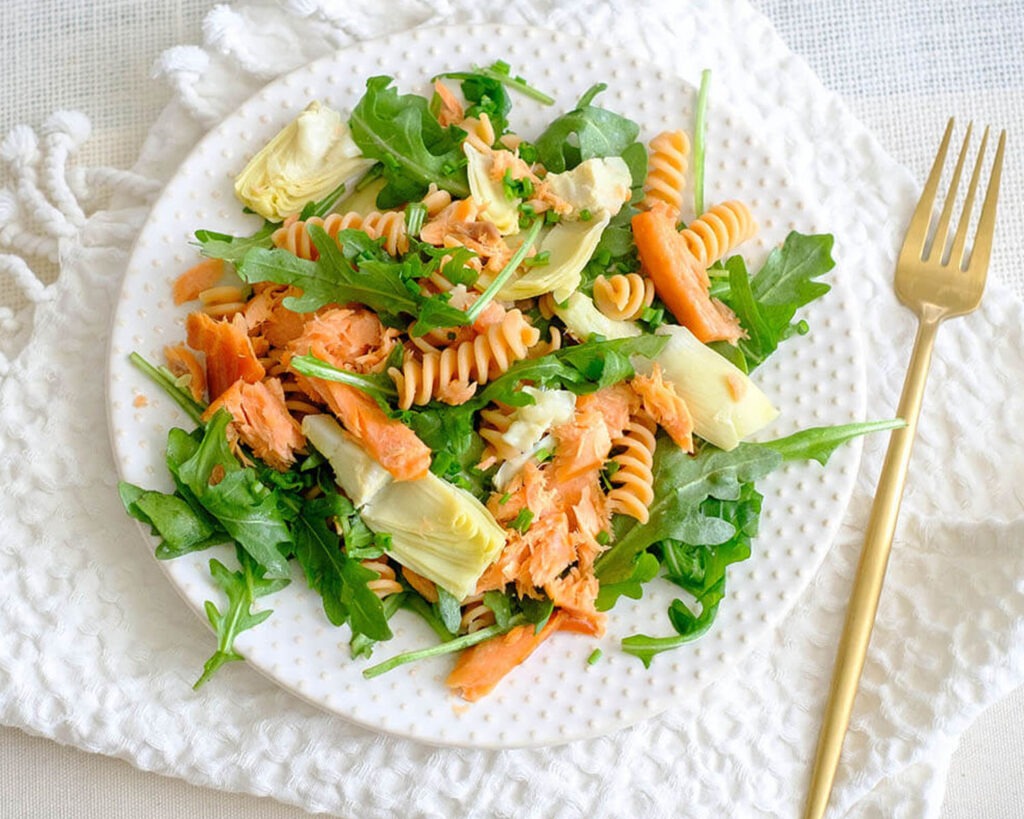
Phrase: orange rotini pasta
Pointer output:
(624, 295)
(294, 237)
(633, 480)
(666, 170)
(719, 231)
(452, 374)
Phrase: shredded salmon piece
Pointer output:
(577, 593)
(451, 112)
(262, 421)
(228, 350)
(665, 406)
(268, 318)
(426, 588)
(182, 361)
(736, 386)
(354, 339)
(480, 668)
(196, 279)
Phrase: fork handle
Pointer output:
(867, 586)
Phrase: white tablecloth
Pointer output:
(903, 68)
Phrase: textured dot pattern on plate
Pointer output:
(555, 696)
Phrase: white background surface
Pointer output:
(903, 68)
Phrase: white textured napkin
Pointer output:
(97, 650)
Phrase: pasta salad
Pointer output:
(499, 383)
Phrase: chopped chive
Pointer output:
(700, 141)
(506, 273)
(164, 379)
(522, 521)
(595, 655)
(586, 215)
(415, 215)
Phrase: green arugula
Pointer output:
(246, 508)
(767, 302)
(350, 268)
(242, 588)
(683, 483)
(700, 141)
(182, 528)
(700, 569)
(818, 443)
(589, 131)
(215, 245)
(580, 368)
(399, 131)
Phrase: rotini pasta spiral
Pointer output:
(451, 375)
(293, 236)
(436, 200)
(298, 402)
(223, 301)
(475, 615)
(494, 423)
(666, 170)
(624, 295)
(634, 479)
(387, 583)
(718, 231)
(479, 131)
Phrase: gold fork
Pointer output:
(937, 281)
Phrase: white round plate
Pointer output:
(555, 696)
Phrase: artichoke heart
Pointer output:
(598, 185)
(583, 320)
(725, 404)
(570, 246)
(490, 193)
(438, 530)
(309, 158)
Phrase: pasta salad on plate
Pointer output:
(501, 384)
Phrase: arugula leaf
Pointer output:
(683, 482)
(587, 132)
(362, 646)
(449, 647)
(182, 528)
(700, 141)
(537, 610)
(700, 569)
(500, 605)
(242, 588)
(235, 496)
(351, 268)
(399, 131)
(230, 248)
(643, 571)
(448, 610)
(818, 443)
(451, 434)
(500, 72)
(377, 385)
(766, 303)
(340, 578)
(580, 368)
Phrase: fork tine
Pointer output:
(917, 231)
(982, 249)
(938, 248)
(956, 254)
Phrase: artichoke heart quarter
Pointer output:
(498, 208)
(438, 530)
(570, 246)
(309, 158)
